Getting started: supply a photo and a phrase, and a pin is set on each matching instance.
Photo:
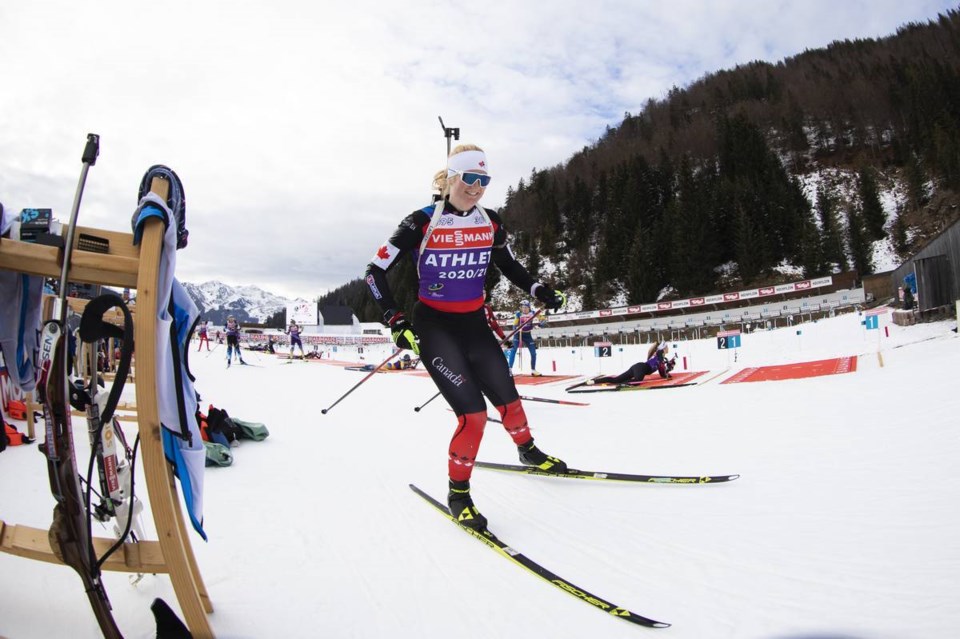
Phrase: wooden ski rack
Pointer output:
(126, 266)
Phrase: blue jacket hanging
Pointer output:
(176, 317)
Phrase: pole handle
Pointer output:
(92, 149)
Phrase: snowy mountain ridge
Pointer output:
(217, 300)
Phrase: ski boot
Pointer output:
(533, 456)
(462, 508)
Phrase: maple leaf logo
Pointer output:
(482, 164)
(383, 253)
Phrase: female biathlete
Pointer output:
(656, 362)
(452, 243)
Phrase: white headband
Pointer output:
(467, 161)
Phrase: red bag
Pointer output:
(14, 438)
(202, 422)
(17, 409)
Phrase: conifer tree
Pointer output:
(859, 241)
(577, 219)
(898, 234)
(870, 207)
(830, 233)
(810, 251)
(534, 263)
(691, 250)
(589, 297)
(277, 320)
(946, 152)
(750, 248)
(916, 180)
(641, 280)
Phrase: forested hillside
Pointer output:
(704, 190)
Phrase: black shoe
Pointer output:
(533, 456)
(462, 508)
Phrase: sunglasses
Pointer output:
(469, 178)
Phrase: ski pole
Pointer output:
(522, 324)
(417, 409)
(503, 341)
(552, 401)
(90, 152)
(368, 376)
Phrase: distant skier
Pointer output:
(294, 332)
(233, 340)
(202, 332)
(452, 243)
(403, 363)
(656, 362)
(524, 337)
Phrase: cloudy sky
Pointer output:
(304, 131)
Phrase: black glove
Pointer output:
(402, 331)
(554, 300)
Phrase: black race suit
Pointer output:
(457, 348)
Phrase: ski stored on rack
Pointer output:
(601, 476)
(504, 550)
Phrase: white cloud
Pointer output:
(303, 132)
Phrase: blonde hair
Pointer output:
(656, 347)
(440, 182)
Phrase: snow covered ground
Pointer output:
(844, 524)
